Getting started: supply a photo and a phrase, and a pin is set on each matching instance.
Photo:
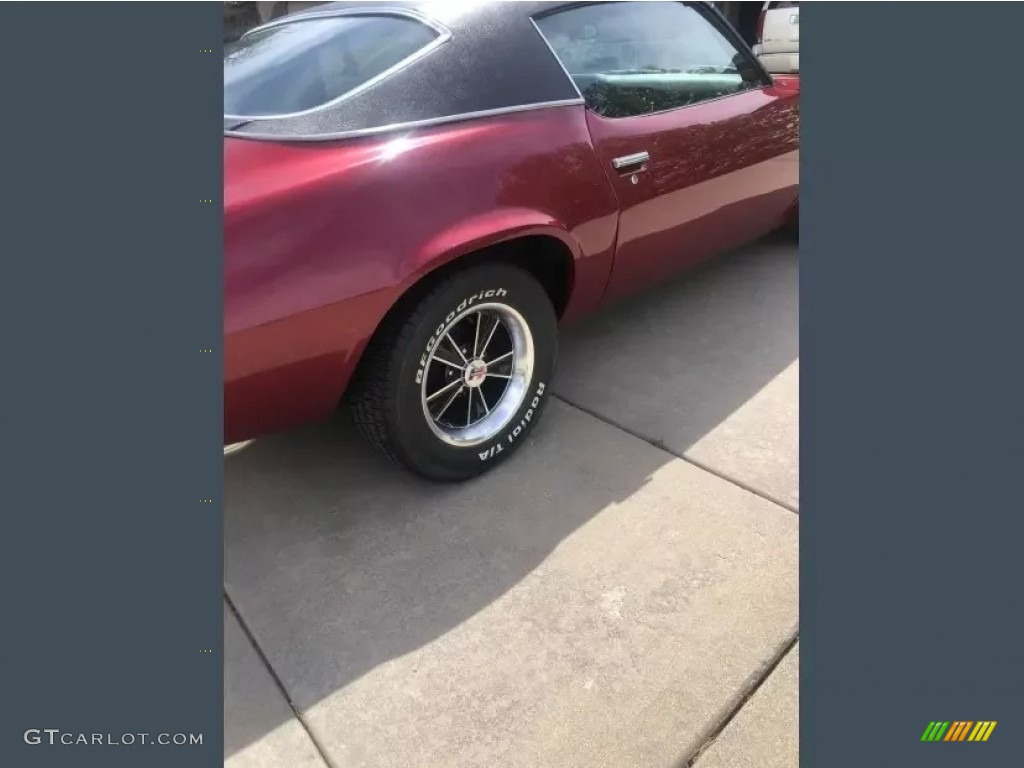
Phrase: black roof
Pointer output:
(494, 60)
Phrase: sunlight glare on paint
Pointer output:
(394, 148)
(446, 10)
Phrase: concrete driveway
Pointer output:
(622, 593)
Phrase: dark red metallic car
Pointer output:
(417, 194)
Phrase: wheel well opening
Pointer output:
(546, 258)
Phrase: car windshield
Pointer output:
(301, 65)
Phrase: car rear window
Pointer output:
(303, 64)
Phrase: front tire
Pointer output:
(452, 384)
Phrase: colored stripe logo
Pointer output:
(958, 730)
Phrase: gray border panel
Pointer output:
(112, 417)
(912, 273)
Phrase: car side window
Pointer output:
(301, 65)
(631, 58)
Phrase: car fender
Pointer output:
(480, 232)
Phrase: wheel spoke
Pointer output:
(442, 390)
(456, 346)
(491, 400)
(450, 401)
(497, 360)
(476, 337)
(450, 364)
(483, 350)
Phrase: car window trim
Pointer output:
(709, 12)
(443, 36)
(561, 65)
(744, 92)
(403, 126)
(715, 17)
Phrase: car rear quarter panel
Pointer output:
(322, 238)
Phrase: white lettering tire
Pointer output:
(455, 380)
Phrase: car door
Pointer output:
(699, 144)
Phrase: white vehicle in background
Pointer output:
(778, 37)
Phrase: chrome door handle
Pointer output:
(634, 162)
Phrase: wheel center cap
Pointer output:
(475, 373)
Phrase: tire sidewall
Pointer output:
(494, 284)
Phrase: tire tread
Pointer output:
(371, 398)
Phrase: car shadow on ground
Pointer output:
(673, 362)
(339, 562)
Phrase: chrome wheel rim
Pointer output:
(477, 374)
